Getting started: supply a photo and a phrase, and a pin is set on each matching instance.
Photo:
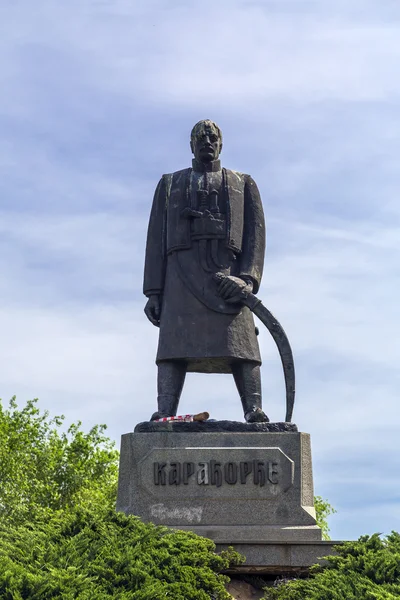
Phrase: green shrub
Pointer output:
(367, 569)
(60, 536)
(94, 554)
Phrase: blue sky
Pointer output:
(98, 99)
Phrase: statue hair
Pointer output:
(202, 125)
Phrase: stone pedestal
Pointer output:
(242, 488)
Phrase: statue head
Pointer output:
(206, 141)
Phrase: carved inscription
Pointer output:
(213, 472)
(193, 473)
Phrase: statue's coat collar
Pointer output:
(210, 167)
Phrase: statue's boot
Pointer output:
(167, 407)
(253, 412)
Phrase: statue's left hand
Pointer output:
(233, 289)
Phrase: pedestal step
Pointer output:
(280, 559)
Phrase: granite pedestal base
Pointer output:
(243, 489)
(280, 559)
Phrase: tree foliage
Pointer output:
(367, 569)
(43, 468)
(323, 510)
(60, 536)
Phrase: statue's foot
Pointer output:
(158, 415)
(257, 415)
(167, 406)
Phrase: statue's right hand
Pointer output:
(153, 310)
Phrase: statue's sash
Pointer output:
(202, 285)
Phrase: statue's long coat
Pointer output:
(197, 326)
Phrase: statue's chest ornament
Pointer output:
(208, 225)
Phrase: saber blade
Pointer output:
(282, 342)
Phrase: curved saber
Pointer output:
(282, 342)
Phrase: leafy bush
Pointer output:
(367, 569)
(94, 554)
(60, 536)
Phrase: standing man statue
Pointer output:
(204, 254)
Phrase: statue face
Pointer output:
(207, 145)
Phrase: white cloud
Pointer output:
(162, 53)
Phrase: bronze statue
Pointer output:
(204, 259)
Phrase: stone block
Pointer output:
(279, 559)
(233, 487)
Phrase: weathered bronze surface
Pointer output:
(204, 260)
(214, 426)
